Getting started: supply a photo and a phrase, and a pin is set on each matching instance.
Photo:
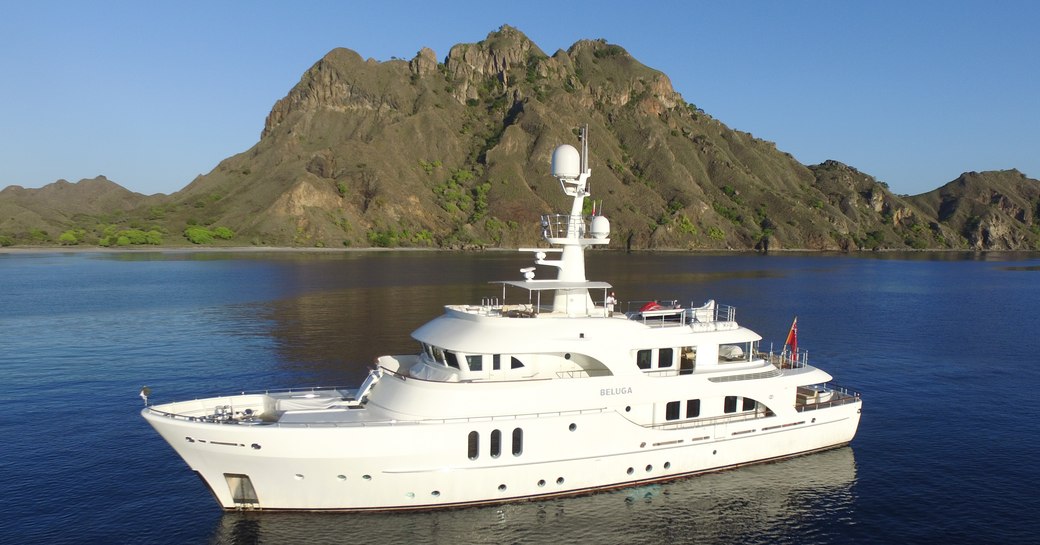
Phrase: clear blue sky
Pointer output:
(152, 94)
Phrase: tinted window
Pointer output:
(518, 441)
(671, 411)
(643, 359)
(731, 404)
(664, 357)
(476, 363)
(496, 443)
(474, 445)
(693, 408)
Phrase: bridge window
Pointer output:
(515, 363)
(749, 404)
(496, 362)
(671, 411)
(693, 408)
(643, 358)
(476, 363)
(453, 361)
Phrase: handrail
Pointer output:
(713, 420)
(672, 313)
(842, 396)
(560, 225)
(210, 419)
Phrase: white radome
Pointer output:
(566, 162)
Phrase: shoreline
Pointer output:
(300, 250)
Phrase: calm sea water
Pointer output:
(943, 347)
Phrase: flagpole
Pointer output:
(792, 340)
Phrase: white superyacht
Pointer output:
(548, 393)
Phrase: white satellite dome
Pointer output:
(600, 227)
(566, 162)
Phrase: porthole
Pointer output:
(559, 481)
(410, 495)
(642, 445)
(649, 468)
(298, 476)
(341, 477)
(813, 421)
(541, 482)
(435, 493)
(631, 471)
(567, 356)
(573, 426)
(366, 477)
(667, 465)
(714, 452)
(501, 488)
(628, 409)
(189, 439)
(256, 446)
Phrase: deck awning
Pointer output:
(543, 285)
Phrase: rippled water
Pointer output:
(941, 346)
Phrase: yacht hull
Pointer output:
(422, 465)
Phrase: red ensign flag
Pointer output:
(792, 339)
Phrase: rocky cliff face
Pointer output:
(456, 154)
(987, 210)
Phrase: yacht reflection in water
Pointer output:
(793, 500)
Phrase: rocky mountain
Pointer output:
(455, 153)
(31, 215)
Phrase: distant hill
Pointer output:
(456, 154)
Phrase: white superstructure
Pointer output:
(508, 400)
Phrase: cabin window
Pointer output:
(693, 408)
(664, 357)
(643, 359)
(671, 410)
(476, 363)
(515, 363)
(496, 443)
(453, 361)
(735, 352)
(496, 362)
(686, 359)
(242, 490)
(438, 355)
(518, 441)
(730, 405)
(474, 445)
(749, 404)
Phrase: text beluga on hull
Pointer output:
(548, 394)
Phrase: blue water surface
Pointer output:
(942, 347)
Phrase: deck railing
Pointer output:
(560, 225)
(840, 396)
(672, 313)
(786, 359)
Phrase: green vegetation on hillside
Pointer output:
(454, 153)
